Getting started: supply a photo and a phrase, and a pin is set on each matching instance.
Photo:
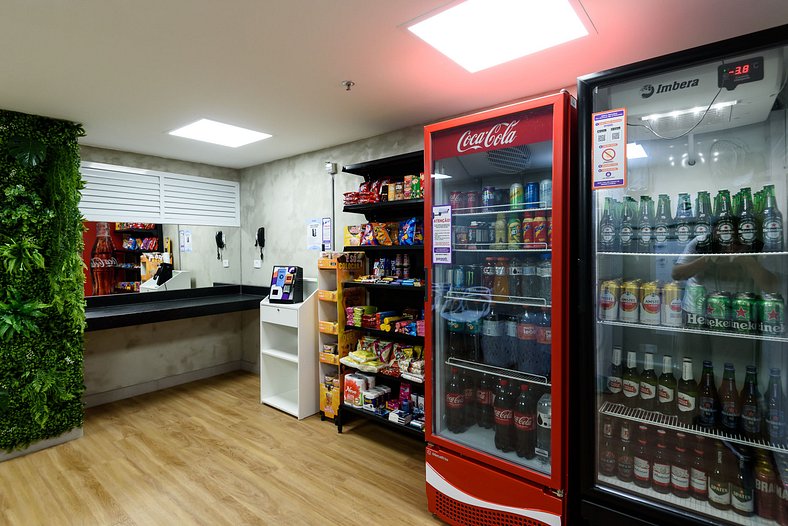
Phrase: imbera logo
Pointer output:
(648, 90)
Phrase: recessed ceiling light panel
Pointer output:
(215, 132)
(479, 34)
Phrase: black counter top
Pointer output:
(109, 312)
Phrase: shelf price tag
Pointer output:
(609, 145)
(441, 234)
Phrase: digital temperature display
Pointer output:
(731, 75)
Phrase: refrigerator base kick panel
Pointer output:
(488, 497)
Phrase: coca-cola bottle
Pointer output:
(544, 342)
(102, 261)
(455, 403)
(484, 402)
(504, 416)
(525, 423)
(469, 392)
(526, 341)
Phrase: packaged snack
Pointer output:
(407, 231)
(398, 191)
(393, 229)
(381, 234)
(368, 235)
(383, 350)
(407, 187)
(352, 236)
(404, 391)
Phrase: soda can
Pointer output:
(532, 195)
(671, 304)
(628, 301)
(456, 200)
(501, 197)
(546, 192)
(473, 276)
(488, 198)
(695, 306)
(744, 313)
(472, 201)
(516, 196)
(458, 277)
(650, 303)
(771, 314)
(609, 293)
(718, 311)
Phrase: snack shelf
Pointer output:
(499, 371)
(385, 248)
(410, 377)
(393, 336)
(679, 254)
(522, 301)
(402, 206)
(662, 328)
(671, 422)
(330, 359)
(383, 420)
(381, 286)
(498, 209)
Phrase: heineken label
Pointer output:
(773, 230)
(607, 233)
(702, 231)
(683, 233)
(645, 235)
(719, 493)
(724, 232)
(626, 234)
(747, 231)
(661, 234)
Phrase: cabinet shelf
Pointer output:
(679, 254)
(499, 371)
(522, 301)
(383, 420)
(393, 336)
(402, 207)
(385, 248)
(525, 248)
(380, 286)
(499, 209)
(281, 355)
(287, 401)
(662, 328)
(658, 419)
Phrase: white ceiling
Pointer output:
(131, 71)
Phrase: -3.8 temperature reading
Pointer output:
(731, 75)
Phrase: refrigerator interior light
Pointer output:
(438, 175)
(635, 151)
(479, 34)
(215, 132)
(696, 110)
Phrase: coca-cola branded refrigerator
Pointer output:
(497, 260)
(682, 355)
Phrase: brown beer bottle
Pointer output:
(743, 486)
(719, 480)
(660, 468)
(642, 465)
(730, 409)
(666, 388)
(648, 384)
(751, 413)
(625, 460)
(631, 382)
(708, 401)
(687, 394)
(607, 450)
(699, 471)
(680, 469)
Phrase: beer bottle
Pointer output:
(699, 472)
(627, 229)
(642, 459)
(730, 410)
(663, 225)
(614, 380)
(708, 401)
(631, 382)
(684, 222)
(743, 486)
(702, 227)
(775, 409)
(687, 394)
(660, 478)
(645, 226)
(749, 401)
(680, 469)
(666, 388)
(648, 384)
(724, 230)
(748, 225)
(607, 229)
(607, 450)
(719, 481)
(625, 461)
(772, 229)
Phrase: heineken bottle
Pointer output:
(606, 236)
(772, 229)
(645, 228)
(702, 227)
(724, 230)
(663, 225)
(684, 222)
(627, 229)
(748, 238)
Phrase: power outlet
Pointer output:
(258, 263)
(226, 263)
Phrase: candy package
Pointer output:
(407, 232)
(368, 237)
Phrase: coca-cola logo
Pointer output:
(484, 397)
(455, 400)
(103, 262)
(524, 422)
(503, 416)
(500, 134)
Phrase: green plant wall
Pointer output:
(42, 311)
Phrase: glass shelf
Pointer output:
(663, 328)
(522, 301)
(676, 255)
(488, 247)
(671, 422)
(498, 209)
(499, 371)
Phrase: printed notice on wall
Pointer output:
(609, 132)
(327, 230)
(441, 234)
(185, 240)
(313, 231)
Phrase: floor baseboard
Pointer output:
(43, 444)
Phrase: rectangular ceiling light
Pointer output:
(214, 132)
(696, 110)
(479, 34)
(635, 151)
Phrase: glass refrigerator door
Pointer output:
(492, 203)
(690, 278)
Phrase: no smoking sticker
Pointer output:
(609, 148)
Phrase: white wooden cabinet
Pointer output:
(288, 354)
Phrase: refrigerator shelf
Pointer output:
(499, 209)
(488, 247)
(663, 328)
(676, 255)
(702, 507)
(671, 422)
(487, 298)
(498, 371)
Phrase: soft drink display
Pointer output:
(102, 261)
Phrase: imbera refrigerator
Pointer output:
(682, 349)
(497, 262)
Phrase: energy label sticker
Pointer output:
(441, 234)
(609, 131)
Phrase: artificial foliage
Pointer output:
(42, 308)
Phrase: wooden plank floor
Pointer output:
(208, 453)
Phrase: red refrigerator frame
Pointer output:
(467, 486)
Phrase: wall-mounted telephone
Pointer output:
(259, 240)
(219, 244)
